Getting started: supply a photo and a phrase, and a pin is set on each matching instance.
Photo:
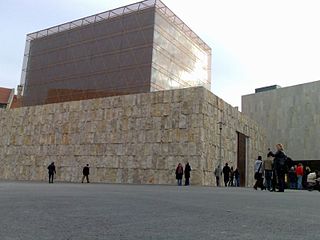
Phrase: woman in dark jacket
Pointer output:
(280, 165)
(179, 174)
(187, 171)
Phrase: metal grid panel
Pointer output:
(84, 59)
(106, 58)
(93, 19)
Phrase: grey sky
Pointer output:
(255, 43)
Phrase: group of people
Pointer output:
(231, 177)
(180, 172)
(270, 173)
(298, 176)
(273, 170)
(52, 171)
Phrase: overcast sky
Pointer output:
(255, 43)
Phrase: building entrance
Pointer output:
(241, 158)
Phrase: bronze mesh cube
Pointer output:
(138, 48)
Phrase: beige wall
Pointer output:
(126, 139)
(290, 116)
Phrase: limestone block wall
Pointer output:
(126, 139)
(215, 110)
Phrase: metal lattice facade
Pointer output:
(138, 48)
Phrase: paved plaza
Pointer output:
(104, 211)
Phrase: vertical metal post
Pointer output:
(220, 144)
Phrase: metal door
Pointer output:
(241, 158)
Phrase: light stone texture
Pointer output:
(290, 116)
(126, 139)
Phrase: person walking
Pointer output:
(179, 174)
(231, 177)
(187, 170)
(226, 174)
(237, 177)
(280, 165)
(51, 172)
(267, 166)
(258, 171)
(299, 173)
(85, 173)
(217, 174)
(292, 178)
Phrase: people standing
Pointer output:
(237, 177)
(299, 173)
(179, 174)
(231, 179)
(217, 174)
(267, 166)
(187, 170)
(258, 171)
(85, 173)
(226, 174)
(51, 171)
(280, 165)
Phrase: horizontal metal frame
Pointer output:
(93, 19)
(161, 7)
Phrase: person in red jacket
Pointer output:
(299, 173)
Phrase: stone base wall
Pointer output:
(126, 139)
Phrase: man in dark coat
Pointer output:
(51, 171)
(280, 166)
(85, 172)
(226, 174)
(187, 171)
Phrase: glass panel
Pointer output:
(178, 60)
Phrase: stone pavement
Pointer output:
(102, 211)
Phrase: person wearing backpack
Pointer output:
(258, 172)
(280, 165)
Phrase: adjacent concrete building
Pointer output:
(137, 138)
(138, 48)
(291, 116)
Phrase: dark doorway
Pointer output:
(241, 157)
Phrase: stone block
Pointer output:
(156, 110)
(182, 121)
(167, 96)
